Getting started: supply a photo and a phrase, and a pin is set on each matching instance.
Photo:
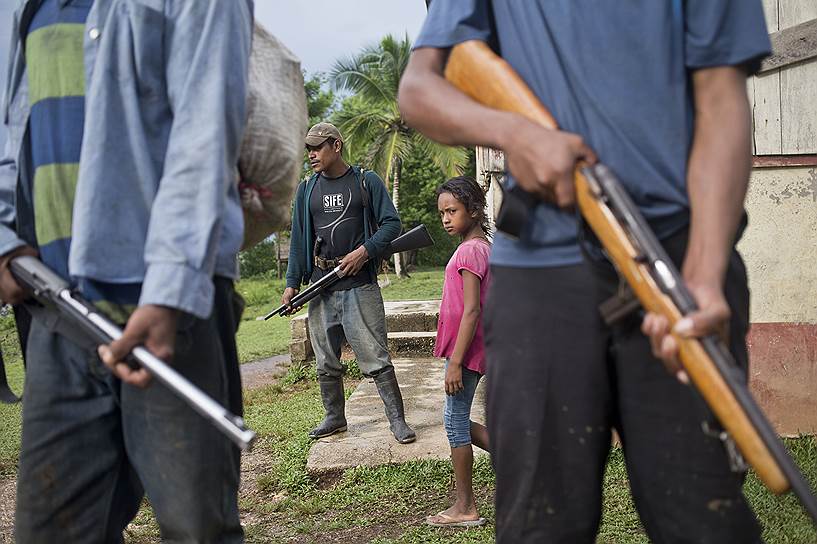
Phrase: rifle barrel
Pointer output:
(785, 474)
(308, 294)
(54, 293)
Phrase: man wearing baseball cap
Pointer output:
(343, 216)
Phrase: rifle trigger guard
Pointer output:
(736, 461)
(619, 306)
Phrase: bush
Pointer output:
(418, 204)
(258, 260)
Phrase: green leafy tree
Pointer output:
(419, 205)
(320, 100)
(371, 122)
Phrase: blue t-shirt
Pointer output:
(618, 74)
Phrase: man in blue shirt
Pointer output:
(657, 91)
(124, 125)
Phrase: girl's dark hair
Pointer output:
(467, 190)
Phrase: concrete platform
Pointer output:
(369, 442)
(411, 326)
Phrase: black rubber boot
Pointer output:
(386, 382)
(334, 402)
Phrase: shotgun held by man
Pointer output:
(416, 238)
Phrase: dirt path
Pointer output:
(263, 372)
(8, 489)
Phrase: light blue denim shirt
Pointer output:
(157, 200)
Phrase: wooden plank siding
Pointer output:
(766, 134)
(792, 45)
(784, 99)
(783, 161)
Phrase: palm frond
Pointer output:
(451, 161)
(370, 120)
(375, 72)
(351, 75)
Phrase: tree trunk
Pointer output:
(395, 197)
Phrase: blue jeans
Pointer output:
(457, 412)
(356, 314)
(90, 444)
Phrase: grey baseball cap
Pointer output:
(321, 132)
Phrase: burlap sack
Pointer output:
(272, 150)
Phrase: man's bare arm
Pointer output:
(717, 180)
(540, 159)
(436, 108)
(719, 167)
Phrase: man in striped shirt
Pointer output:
(124, 119)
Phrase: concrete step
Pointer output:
(412, 327)
(369, 442)
(412, 344)
(401, 344)
(412, 315)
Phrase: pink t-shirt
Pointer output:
(471, 255)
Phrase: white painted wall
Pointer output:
(780, 245)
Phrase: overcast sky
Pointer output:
(320, 31)
(317, 31)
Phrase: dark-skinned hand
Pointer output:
(711, 318)
(10, 291)
(542, 161)
(151, 326)
(353, 262)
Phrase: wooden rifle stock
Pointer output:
(478, 72)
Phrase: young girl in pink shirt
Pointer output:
(461, 202)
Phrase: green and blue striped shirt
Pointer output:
(56, 77)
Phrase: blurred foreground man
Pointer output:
(657, 90)
(125, 119)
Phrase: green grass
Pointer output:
(388, 504)
(362, 500)
(261, 339)
(782, 517)
(424, 284)
(10, 414)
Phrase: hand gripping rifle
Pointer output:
(68, 313)
(416, 238)
(639, 257)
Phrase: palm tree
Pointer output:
(371, 122)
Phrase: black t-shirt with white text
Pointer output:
(336, 206)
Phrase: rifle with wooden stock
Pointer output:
(641, 260)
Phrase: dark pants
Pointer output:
(90, 444)
(559, 380)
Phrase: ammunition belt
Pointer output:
(327, 264)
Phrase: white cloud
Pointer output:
(321, 31)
